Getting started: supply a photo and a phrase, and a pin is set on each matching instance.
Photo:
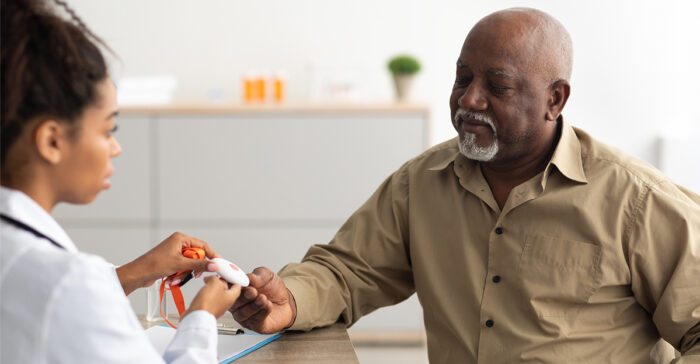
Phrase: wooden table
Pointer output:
(319, 346)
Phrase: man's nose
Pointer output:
(473, 98)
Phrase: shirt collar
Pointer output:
(567, 154)
(17, 205)
(566, 157)
(447, 161)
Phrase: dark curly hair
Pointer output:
(50, 67)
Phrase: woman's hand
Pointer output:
(163, 260)
(215, 297)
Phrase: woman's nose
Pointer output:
(116, 149)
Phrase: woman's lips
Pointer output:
(107, 183)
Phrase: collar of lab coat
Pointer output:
(17, 205)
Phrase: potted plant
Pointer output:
(403, 68)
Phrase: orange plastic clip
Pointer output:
(193, 253)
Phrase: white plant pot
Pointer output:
(403, 86)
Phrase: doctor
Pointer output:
(58, 305)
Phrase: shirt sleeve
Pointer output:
(664, 257)
(366, 265)
(195, 340)
(91, 321)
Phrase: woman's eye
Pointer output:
(113, 130)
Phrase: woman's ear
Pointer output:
(50, 138)
(558, 95)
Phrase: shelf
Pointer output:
(286, 108)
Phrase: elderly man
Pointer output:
(525, 239)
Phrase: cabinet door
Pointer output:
(279, 167)
(129, 197)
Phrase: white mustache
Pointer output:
(483, 117)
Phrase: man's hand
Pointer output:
(266, 306)
(164, 260)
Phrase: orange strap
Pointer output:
(193, 253)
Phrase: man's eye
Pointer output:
(462, 81)
(499, 90)
(113, 130)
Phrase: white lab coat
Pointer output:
(63, 306)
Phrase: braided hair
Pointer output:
(50, 67)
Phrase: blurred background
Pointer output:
(261, 180)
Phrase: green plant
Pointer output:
(403, 65)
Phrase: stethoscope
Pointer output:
(28, 228)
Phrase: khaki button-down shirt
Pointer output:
(591, 261)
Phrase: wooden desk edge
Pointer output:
(329, 344)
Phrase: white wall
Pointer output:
(635, 73)
(635, 66)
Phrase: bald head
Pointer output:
(531, 36)
(511, 85)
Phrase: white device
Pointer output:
(230, 272)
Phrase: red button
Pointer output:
(233, 266)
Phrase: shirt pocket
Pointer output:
(557, 272)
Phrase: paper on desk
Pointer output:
(230, 348)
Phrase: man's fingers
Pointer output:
(248, 294)
(255, 280)
(255, 322)
(260, 276)
(245, 312)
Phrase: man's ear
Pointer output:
(50, 138)
(558, 95)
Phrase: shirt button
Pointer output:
(489, 323)
(496, 279)
(499, 230)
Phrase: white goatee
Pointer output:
(468, 146)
